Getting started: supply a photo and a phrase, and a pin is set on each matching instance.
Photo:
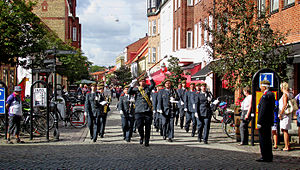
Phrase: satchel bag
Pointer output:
(291, 107)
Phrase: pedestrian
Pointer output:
(155, 113)
(203, 113)
(118, 92)
(79, 90)
(245, 116)
(167, 107)
(189, 108)
(285, 120)
(275, 126)
(14, 107)
(143, 107)
(85, 89)
(181, 94)
(126, 109)
(93, 109)
(298, 115)
(265, 121)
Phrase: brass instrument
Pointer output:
(106, 107)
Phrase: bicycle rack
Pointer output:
(5, 110)
(31, 107)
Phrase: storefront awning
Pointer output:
(201, 74)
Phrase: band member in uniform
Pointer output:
(265, 121)
(203, 112)
(93, 109)
(181, 94)
(126, 109)
(167, 106)
(189, 108)
(106, 109)
(143, 107)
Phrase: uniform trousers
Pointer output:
(102, 123)
(181, 115)
(190, 116)
(167, 126)
(144, 119)
(265, 142)
(127, 126)
(203, 123)
(93, 124)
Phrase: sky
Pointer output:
(108, 26)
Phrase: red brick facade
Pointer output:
(134, 47)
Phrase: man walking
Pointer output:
(181, 94)
(189, 107)
(167, 106)
(265, 121)
(143, 107)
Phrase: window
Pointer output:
(175, 5)
(200, 35)
(261, 7)
(288, 2)
(149, 56)
(205, 31)
(189, 2)
(179, 2)
(195, 35)
(153, 55)
(274, 5)
(178, 39)
(210, 27)
(149, 24)
(158, 53)
(153, 3)
(189, 38)
(154, 27)
(74, 34)
(175, 40)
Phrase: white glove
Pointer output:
(103, 103)
(149, 75)
(133, 82)
(185, 109)
(160, 111)
(85, 114)
(258, 126)
(209, 99)
(182, 103)
(132, 100)
(194, 106)
(172, 99)
(196, 115)
(121, 112)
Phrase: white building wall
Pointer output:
(166, 34)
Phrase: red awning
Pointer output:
(189, 81)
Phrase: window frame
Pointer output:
(189, 40)
(190, 3)
(272, 10)
(153, 54)
(74, 34)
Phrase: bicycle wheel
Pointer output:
(216, 116)
(229, 128)
(77, 119)
(40, 124)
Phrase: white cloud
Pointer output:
(109, 26)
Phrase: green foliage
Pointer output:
(243, 43)
(21, 32)
(176, 71)
(123, 75)
(95, 68)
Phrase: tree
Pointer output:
(123, 75)
(243, 43)
(21, 32)
(175, 69)
(95, 68)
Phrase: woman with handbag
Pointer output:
(285, 119)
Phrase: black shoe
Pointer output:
(101, 136)
(124, 138)
(205, 142)
(146, 144)
(193, 134)
(170, 140)
(199, 140)
(164, 138)
(187, 130)
(127, 140)
(264, 160)
(141, 141)
(157, 129)
(181, 127)
(94, 140)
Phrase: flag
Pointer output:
(23, 87)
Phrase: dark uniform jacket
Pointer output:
(189, 100)
(93, 107)
(141, 105)
(164, 103)
(266, 108)
(202, 103)
(154, 101)
(126, 106)
(181, 95)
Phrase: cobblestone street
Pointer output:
(76, 151)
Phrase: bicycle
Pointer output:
(228, 124)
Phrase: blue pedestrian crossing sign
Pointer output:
(2, 100)
(267, 76)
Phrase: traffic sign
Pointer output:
(2, 100)
(66, 52)
(43, 70)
